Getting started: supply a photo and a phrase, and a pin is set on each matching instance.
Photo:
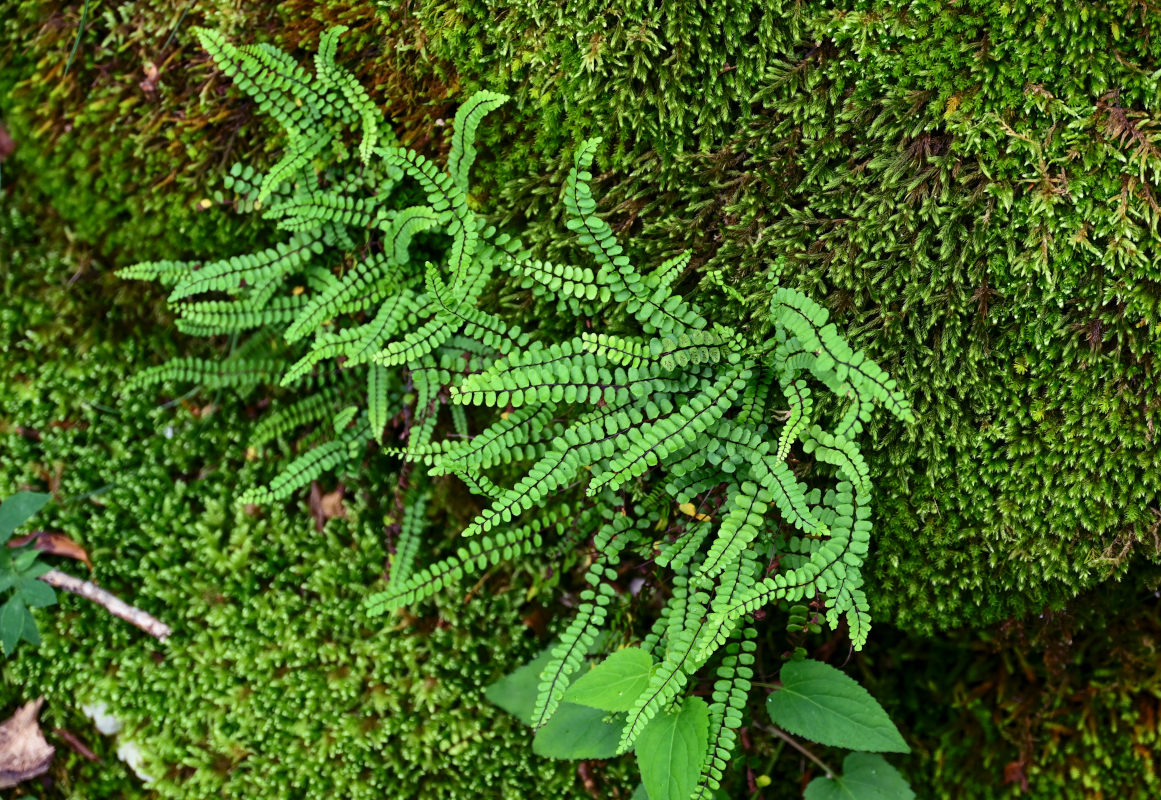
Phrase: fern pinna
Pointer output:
(665, 408)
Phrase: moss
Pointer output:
(982, 216)
(1062, 704)
(131, 141)
(274, 683)
(971, 188)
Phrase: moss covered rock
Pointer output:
(972, 188)
(274, 682)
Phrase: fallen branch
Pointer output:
(110, 602)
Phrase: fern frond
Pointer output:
(668, 271)
(415, 345)
(475, 556)
(314, 209)
(741, 525)
(648, 445)
(232, 274)
(402, 226)
(560, 372)
(479, 483)
(498, 443)
(167, 273)
(300, 152)
(410, 536)
(281, 88)
(228, 316)
(468, 118)
(801, 405)
(677, 555)
(299, 473)
(657, 310)
(233, 373)
(834, 449)
(726, 711)
(672, 674)
(357, 101)
(569, 653)
(378, 403)
(283, 420)
(806, 320)
(344, 418)
(670, 611)
(552, 471)
(369, 278)
(577, 282)
(449, 202)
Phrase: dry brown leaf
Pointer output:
(24, 753)
(326, 506)
(55, 544)
(152, 76)
(7, 146)
(537, 619)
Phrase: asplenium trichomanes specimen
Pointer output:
(358, 316)
(682, 404)
(19, 574)
(665, 408)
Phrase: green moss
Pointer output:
(129, 144)
(274, 683)
(971, 188)
(967, 188)
(1060, 705)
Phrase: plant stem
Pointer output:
(790, 740)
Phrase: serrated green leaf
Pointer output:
(671, 749)
(29, 631)
(18, 509)
(35, 593)
(866, 776)
(825, 705)
(37, 569)
(11, 623)
(516, 692)
(24, 559)
(578, 732)
(615, 683)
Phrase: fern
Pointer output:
(691, 401)
(378, 305)
(729, 701)
(345, 293)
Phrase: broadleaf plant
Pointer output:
(865, 776)
(670, 749)
(20, 573)
(376, 308)
(829, 707)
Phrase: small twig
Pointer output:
(110, 602)
(80, 33)
(790, 740)
(78, 746)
